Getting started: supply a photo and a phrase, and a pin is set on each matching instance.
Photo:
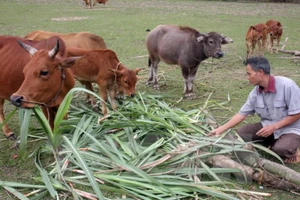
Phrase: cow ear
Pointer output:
(226, 40)
(136, 71)
(69, 62)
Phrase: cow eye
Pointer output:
(211, 42)
(44, 73)
(125, 81)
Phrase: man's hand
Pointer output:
(266, 131)
(215, 132)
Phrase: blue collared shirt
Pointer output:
(281, 99)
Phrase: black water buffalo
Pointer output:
(183, 46)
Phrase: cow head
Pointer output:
(212, 44)
(46, 81)
(126, 80)
(275, 30)
(259, 31)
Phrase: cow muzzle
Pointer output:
(16, 100)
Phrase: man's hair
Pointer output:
(259, 62)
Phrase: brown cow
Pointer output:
(83, 40)
(104, 68)
(182, 46)
(100, 2)
(274, 29)
(256, 34)
(88, 3)
(46, 80)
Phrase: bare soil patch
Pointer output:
(69, 18)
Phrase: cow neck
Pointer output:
(116, 74)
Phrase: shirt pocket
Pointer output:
(280, 110)
(261, 110)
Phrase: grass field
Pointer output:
(123, 25)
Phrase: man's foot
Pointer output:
(294, 159)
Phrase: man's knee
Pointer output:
(281, 151)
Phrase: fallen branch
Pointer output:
(294, 52)
(284, 44)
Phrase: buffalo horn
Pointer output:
(27, 47)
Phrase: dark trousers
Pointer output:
(285, 146)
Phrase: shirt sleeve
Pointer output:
(248, 107)
(292, 97)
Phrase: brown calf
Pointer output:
(274, 29)
(104, 68)
(256, 34)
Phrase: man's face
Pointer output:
(253, 76)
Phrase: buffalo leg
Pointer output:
(6, 130)
(153, 74)
(189, 76)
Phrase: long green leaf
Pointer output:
(84, 167)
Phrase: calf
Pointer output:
(104, 68)
(183, 46)
(100, 2)
(256, 34)
(274, 29)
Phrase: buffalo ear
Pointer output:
(69, 62)
(226, 40)
(136, 71)
(201, 37)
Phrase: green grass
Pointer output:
(123, 24)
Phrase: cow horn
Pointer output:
(55, 50)
(27, 47)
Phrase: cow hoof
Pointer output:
(11, 137)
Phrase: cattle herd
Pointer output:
(40, 68)
(258, 35)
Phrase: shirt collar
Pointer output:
(271, 86)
